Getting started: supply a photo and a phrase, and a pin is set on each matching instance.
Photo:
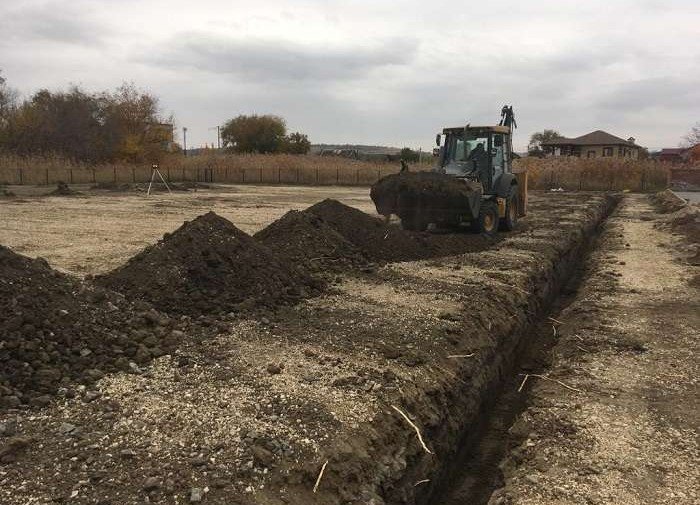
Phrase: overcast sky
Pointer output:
(375, 71)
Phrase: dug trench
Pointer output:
(476, 471)
(311, 402)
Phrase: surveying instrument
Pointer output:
(155, 171)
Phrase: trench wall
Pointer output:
(390, 467)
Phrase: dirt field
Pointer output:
(321, 401)
(98, 230)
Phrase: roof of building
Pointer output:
(672, 150)
(596, 138)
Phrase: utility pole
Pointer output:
(184, 140)
(218, 136)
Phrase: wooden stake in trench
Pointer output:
(154, 172)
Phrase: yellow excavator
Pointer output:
(472, 183)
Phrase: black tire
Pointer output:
(487, 221)
(509, 222)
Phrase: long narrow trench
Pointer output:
(475, 473)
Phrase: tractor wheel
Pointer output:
(509, 222)
(487, 221)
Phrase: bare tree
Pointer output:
(8, 99)
(538, 138)
(693, 136)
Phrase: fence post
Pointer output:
(167, 171)
(316, 176)
(133, 174)
(21, 176)
(644, 179)
(297, 175)
(357, 176)
(94, 177)
(379, 174)
(244, 175)
(70, 171)
(114, 173)
(47, 176)
(337, 176)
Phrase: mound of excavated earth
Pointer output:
(306, 239)
(370, 235)
(55, 331)
(208, 266)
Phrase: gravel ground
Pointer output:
(251, 415)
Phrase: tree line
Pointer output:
(124, 124)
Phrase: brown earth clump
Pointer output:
(62, 189)
(683, 218)
(668, 201)
(208, 266)
(378, 240)
(303, 238)
(55, 331)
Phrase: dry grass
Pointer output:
(567, 173)
(595, 174)
(255, 168)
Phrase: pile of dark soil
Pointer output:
(303, 238)
(683, 218)
(55, 331)
(432, 196)
(377, 240)
(62, 189)
(208, 266)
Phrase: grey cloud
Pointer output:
(661, 92)
(51, 22)
(279, 60)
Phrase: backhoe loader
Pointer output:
(472, 183)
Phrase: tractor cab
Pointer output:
(479, 153)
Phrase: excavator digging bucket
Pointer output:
(521, 177)
(419, 198)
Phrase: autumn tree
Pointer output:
(90, 127)
(131, 118)
(538, 138)
(254, 134)
(296, 143)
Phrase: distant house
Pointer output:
(597, 144)
(669, 155)
(678, 155)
